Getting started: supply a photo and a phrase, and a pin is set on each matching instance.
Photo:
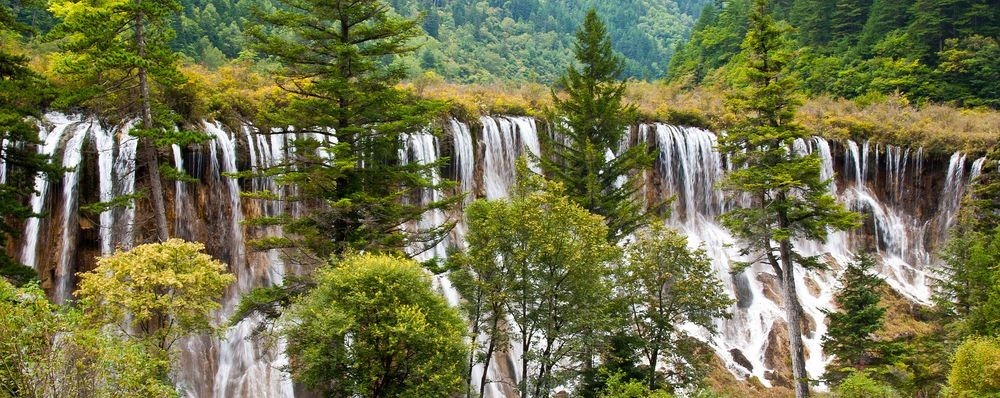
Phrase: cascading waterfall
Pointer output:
(505, 139)
(50, 142)
(884, 182)
(3, 161)
(71, 157)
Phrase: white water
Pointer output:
(51, 138)
(71, 156)
(882, 181)
(3, 161)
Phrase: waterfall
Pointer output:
(71, 157)
(464, 159)
(3, 161)
(907, 215)
(50, 142)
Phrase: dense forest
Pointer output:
(927, 50)
(335, 253)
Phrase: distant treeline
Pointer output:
(938, 50)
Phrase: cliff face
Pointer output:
(909, 199)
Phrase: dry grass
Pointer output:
(888, 119)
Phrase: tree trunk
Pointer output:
(494, 330)
(794, 315)
(148, 146)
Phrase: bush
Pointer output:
(859, 385)
(975, 370)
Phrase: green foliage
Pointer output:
(975, 369)
(47, 351)
(374, 327)
(157, 293)
(851, 330)
(925, 49)
(24, 93)
(859, 385)
(664, 284)
(789, 201)
(336, 61)
(619, 387)
(591, 121)
(100, 55)
(546, 260)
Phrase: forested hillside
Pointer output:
(926, 49)
(476, 41)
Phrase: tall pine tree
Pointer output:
(788, 199)
(336, 58)
(23, 94)
(590, 123)
(120, 55)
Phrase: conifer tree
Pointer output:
(788, 199)
(850, 336)
(120, 53)
(591, 121)
(336, 59)
(23, 93)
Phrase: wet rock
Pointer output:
(777, 356)
(741, 359)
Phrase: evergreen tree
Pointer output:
(23, 94)
(884, 17)
(120, 53)
(590, 125)
(334, 57)
(788, 199)
(850, 336)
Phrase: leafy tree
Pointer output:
(974, 370)
(591, 122)
(666, 285)
(351, 112)
(23, 94)
(155, 293)
(47, 351)
(119, 52)
(553, 260)
(374, 327)
(788, 199)
(860, 385)
(620, 387)
(850, 336)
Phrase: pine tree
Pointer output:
(334, 58)
(788, 199)
(850, 336)
(23, 94)
(591, 121)
(120, 53)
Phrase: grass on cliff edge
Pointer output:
(241, 89)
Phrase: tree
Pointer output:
(374, 327)
(590, 123)
(850, 336)
(968, 295)
(788, 199)
(24, 93)
(335, 58)
(859, 385)
(47, 351)
(666, 285)
(120, 52)
(155, 293)
(552, 260)
(974, 370)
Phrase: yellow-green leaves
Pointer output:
(160, 292)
